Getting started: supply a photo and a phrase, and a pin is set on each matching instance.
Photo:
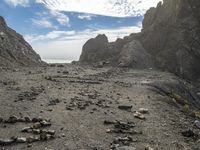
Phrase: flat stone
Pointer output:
(139, 115)
(21, 140)
(125, 107)
(125, 148)
(4, 142)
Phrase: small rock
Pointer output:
(65, 72)
(125, 107)
(197, 123)
(45, 123)
(139, 115)
(4, 142)
(188, 133)
(27, 119)
(51, 132)
(37, 119)
(21, 140)
(148, 148)
(26, 129)
(29, 145)
(1, 119)
(143, 111)
(125, 148)
(12, 119)
(32, 139)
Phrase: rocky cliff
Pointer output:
(14, 50)
(169, 40)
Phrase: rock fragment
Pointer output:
(125, 107)
(188, 133)
(143, 110)
(4, 142)
(139, 115)
(197, 124)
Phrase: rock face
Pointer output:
(169, 40)
(14, 50)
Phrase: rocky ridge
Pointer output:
(14, 50)
(169, 41)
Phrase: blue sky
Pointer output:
(57, 29)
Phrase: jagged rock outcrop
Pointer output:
(14, 50)
(170, 35)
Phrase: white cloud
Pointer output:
(60, 17)
(85, 17)
(43, 23)
(15, 3)
(68, 44)
(116, 8)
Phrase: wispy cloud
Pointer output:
(43, 23)
(85, 17)
(15, 3)
(116, 8)
(60, 17)
(112, 34)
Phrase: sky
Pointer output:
(57, 29)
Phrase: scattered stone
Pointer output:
(27, 119)
(125, 107)
(29, 145)
(65, 72)
(60, 65)
(143, 110)
(30, 95)
(12, 119)
(45, 123)
(45, 137)
(49, 78)
(148, 148)
(37, 119)
(188, 133)
(121, 127)
(21, 140)
(1, 119)
(54, 102)
(26, 129)
(125, 148)
(32, 139)
(4, 142)
(197, 124)
(139, 115)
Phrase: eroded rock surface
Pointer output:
(14, 50)
(170, 37)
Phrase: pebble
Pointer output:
(143, 110)
(148, 148)
(197, 124)
(139, 115)
(21, 140)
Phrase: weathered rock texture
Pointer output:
(14, 50)
(169, 40)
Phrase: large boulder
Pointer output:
(94, 49)
(134, 55)
(14, 50)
